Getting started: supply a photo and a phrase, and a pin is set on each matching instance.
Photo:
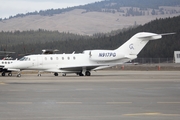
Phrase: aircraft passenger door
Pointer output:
(39, 61)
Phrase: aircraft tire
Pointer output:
(64, 74)
(3, 74)
(88, 73)
(18, 75)
(55, 74)
(80, 74)
(39, 75)
(10, 74)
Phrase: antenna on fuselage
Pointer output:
(49, 51)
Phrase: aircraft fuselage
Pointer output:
(64, 62)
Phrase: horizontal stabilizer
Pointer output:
(154, 36)
(167, 34)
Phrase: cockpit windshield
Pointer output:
(25, 59)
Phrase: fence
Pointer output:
(153, 60)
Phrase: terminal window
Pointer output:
(178, 55)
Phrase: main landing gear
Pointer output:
(4, 74)
(87, 73)
(55, 74)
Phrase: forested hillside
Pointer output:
(113, 6)
(39, 36)
(98, 17)
(155, 49)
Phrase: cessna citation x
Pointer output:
(89, 60)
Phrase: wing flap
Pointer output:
(79, 68)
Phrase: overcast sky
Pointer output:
(13, 7)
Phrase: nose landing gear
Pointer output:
(19, 75)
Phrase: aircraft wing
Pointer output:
(86, 67)
(79, 68)
(73, 69)
(7, 52)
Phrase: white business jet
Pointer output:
(9, 60)
(5, 61)
(3, 64)
(89, 60)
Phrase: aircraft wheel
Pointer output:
(88, 73)
(3, 74)
(64, 74)
(10, 74)
(55, 74)
(80, 74)
(18, 75)
(39, 75)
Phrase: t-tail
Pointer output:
(128, 51)
(136, 43)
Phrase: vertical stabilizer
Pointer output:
(136, 43)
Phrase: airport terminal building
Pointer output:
(177, 56)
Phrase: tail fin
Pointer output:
(136, 43)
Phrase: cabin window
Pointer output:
(51, 58)
(62, 58)
(2, 62)
(25, 59)
(8, 62)
(68, 58)
(74, 58)
(22, 59)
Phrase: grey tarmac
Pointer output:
(106, 95)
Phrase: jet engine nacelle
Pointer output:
(104, 55)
